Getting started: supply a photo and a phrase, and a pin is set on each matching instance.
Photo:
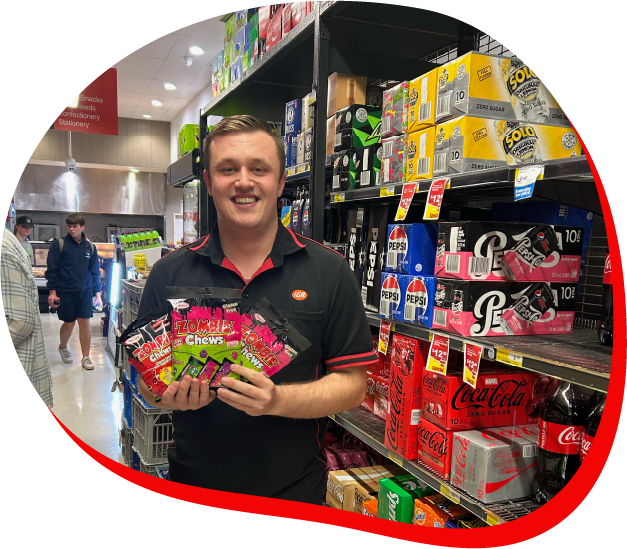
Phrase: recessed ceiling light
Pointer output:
(147, 115)
(196, 50)
(134, 170)
(156, 103)
(169, 86)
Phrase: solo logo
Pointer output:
(522, 82)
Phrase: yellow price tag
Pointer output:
(300, 168)
(291, 171)
(449, 493)
(387, 191)
(492, 520)
(506, 357)
(332, 416)
(396, 459)
(339, 197)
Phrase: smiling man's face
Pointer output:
(244, 180)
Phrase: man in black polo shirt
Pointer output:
(264, 438)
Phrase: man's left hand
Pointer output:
(258, 398)
(98, 300)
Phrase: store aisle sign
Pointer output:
(95, 110)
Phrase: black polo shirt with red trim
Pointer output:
(222, 448)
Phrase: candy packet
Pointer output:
(269, 342)
(206, 332)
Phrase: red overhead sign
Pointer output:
(96, 110)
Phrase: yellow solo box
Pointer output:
(423, 92)
(493, 86)
(420, 149)
(469, 143)
(445, 91)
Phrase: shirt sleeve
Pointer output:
(19, 308)
(95, 272)
(348, 340)
(52, 272)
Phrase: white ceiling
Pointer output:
(142, 74)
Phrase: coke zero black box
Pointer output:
(484, 250)
(474, 307)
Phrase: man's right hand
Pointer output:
(51, 299)
(188, 394)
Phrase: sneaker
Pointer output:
(87, 363)
(66, 356)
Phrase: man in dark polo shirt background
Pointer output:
(265, 438)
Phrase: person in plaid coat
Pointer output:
(21, 308)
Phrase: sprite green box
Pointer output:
(189, 138)
(397, 496)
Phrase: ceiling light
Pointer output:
(156, 103)
(169, 86)
(134, 170)
(147, 115)
(195, 50)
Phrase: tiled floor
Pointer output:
(83, 400)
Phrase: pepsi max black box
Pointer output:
(356, 253)
(357, 126)
(390, 303)
(341, 168)
(375, 257)
(417, 299)
(293, 117)
(411, 249)
(474, 307)
(485, 250)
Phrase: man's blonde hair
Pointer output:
(244, 123)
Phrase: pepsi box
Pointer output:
(357, 218)
(293, 117)
(411, 249)
(390, 301)
(375, 257)
(417, 299)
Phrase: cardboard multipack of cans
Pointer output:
(357, 126)
(408, 298)
(397, 496)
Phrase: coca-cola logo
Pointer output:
(394, 409)
(570, 435)
(460, 449)
(370, 386)
(382, 389)
(507, 394)
(437, 383)
(435, 440)
(516, 432)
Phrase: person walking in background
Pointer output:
(23, 225)
(21, 308)
(73, 276)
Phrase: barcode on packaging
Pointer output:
(336, 182)
(386, 124)
(439, 163)
(415, 417)
(478, 266)
(530, 450)
(452, 264)
(443, 106)
(424, 165)
(338, 139)
(388, 147)
(424, 112)
(439, 317)
(364, 179)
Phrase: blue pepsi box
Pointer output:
(390, 303)
(293, 117)
(411, 249)
(417, 297)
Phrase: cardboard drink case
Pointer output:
(344, 485)
(293, 117)
(341, 170)
(390, 302)
(375, 258)
(445, 92)
(395, 110)
(420, 150)
(423, 93)
(411, 248)
(397, 496)
(433, 511)
(345, 90)
(357, 126)
(356, 219)
(393, 159)
(417, 299)
(381, 394)
(434, 446)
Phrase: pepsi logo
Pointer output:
(540, 236)
(538, 294)
(397, 247)
(417, 297)
(390, 295)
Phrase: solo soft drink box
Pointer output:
(495, 465)
(411, 249)
(375, 258)
(423, 92)
(501, 398)
(417, 299)
(408, 360)
(487, 250)
(420, 149)
(446, 88)
(475, 307)
(395, 110)
(434, 446)
(433, 511)
(397, 496)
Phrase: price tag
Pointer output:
(409, 190)
(387, 191)
(525, 181)
(449, 493)
(492, 520)
(438, 355)
(396, 459)
(332, 416)
(384, 336)
(339, 197)
(291, 171)
(434, 200)
(301, 168)
(505, 356)
(472, 358)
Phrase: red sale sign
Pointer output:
(438, 355)
(384, 336)
(434, 201)
(409, 189)
(472, 358)
(95, 109)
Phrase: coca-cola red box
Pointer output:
(380, 400)
(434, 446)
(368, 402)
(502, 397)
(275, 29)
(474, 250)
(408, 360)
(474, 307)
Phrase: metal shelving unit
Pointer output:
(576, 357)
(371, 429)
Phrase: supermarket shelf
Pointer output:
(371, 429)
(569, 169)
(576, 357)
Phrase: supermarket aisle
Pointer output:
(83, 400)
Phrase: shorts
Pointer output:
(75, 305)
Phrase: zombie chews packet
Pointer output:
(269, 342)
(206, 332)
(148, 343)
